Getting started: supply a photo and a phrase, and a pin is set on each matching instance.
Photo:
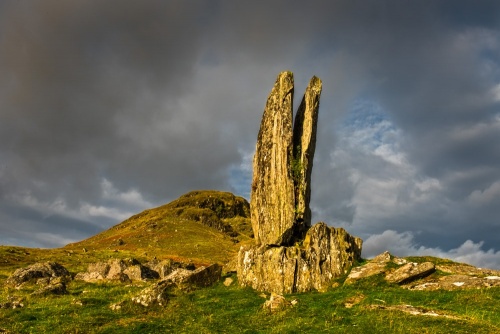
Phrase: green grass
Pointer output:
(164, 232)
(179, 230)
(221, 309)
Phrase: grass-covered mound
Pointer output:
(202, 226)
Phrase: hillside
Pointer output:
(200, 226)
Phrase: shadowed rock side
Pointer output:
(272, 197)
(304, 146)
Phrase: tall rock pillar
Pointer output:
(304, 146)
(290, 255)
(272, 196)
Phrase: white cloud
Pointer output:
(53, 239)
(120, 205)
(130, 197)
(89, 210)
(403, 244)
(386, 183)
(486, 196)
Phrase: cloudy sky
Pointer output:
(111, 107)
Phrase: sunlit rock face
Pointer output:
(325, 254)
(290, 255)
(272, 198)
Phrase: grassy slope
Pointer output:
(177, 230)
(231, 309)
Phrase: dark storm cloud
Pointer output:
(108, 107)
(85, 80)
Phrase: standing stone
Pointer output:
(290, 255)
(304, 146)
(273, 197)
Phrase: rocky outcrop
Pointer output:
(326, 254)
(183, 279)
(290, 255)
(117, 269)
(410, 272)
(455, 282)
(273, 196)
(156, 294)
(34, 272)
(423, 276)
(378, 265)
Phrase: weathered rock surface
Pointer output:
(272, 194)
(378, 265)
(32, 273)
(466, 269)
(415, 276)
(58, 288)
(163, 267)
(202, 277)
(159, 293)
(156, 294)
(278, 302)
(367, 270)
(456, 282)
(117, 269)
(304, 146)
(326, 254)
(410, 272)
(290, 255)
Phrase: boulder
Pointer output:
(277, 302)
(377, 265)
(272, 193)
(410, 272)
(162, 267)
(384, 257)
(158, 293)
(228, 281)
(198, 278)
(364, 271)
(117, 269)
(36, 271)
(58, 288)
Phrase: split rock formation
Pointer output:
(290, 255)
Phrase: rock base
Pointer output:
(325, 254)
